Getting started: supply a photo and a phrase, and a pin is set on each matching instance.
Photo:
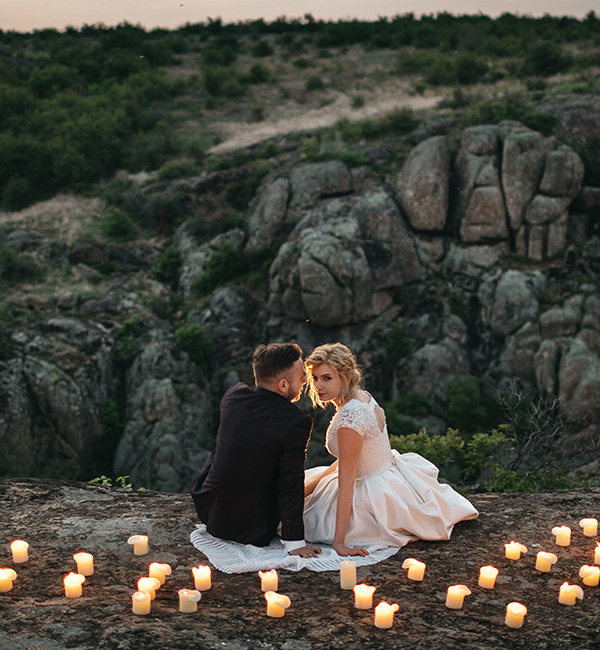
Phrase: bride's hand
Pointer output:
(342, 549)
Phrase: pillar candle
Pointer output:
(347, 574)
(141, 602)
(590, 527)
(20, 551)
(416, 569)
(276, 604)
(544, 561)
(85, 563)
(597, 553)
(515, 614)
(73, 584)
(569, 593)
(363, 596)
(269, 580)
(149, 585)
(139, 543)
(384, 615)
(513, 550)
(590, 575)
(455, 596)
(487, 577)
(159, 571)
(202, 577)
(7, 577)
(563, 535)
(188, 600)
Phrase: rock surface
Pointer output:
(59, 519)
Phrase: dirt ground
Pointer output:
(59, 519)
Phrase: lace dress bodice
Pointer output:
(376, 454)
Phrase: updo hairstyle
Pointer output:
(339, 357)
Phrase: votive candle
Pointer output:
(141, 603)
(149, 585)
(597, 553)
(363, 596)
(139, 543)
(544, 561)
(515, 614)
(276, 604)
(513, 550)
(590, 575)
(85, 563)
(416, 569)
(384, 615)
(569, 593)
(202, 577)
(188, 600)
(563, 535)
(20, 551)
(269, 580)
(455, 596)
(487, 577)
(7, 577)
(590, 527)
(159, 571)
(347, 574)
(73, 584)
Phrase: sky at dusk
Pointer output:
(27, 15)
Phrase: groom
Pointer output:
(254, 479)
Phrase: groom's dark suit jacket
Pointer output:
(255, 477)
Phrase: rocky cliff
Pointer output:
(59, 519)
(478, 258)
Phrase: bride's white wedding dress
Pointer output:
(397, 497)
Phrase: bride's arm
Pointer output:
(350, 444)
(309, 486)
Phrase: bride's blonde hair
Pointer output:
(339, 357)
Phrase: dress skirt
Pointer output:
(396, 505)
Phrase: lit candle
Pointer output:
(590, 575)
(569, 593)
(85, 563)
(455, 596)
(149, 585)
(515, 614)
(140, 603)
(563, 535)
(384, 615)
(139, 543)
(20, 551)
(590, 527)
(363, 596)
(347, 574)
(188, 600)
(416, 569)
(597, 553)
(7, 576)
(513, 550)
(73, 584)
(202, 577)
(159, 571)
(276, 604)
(269, 580)
(544, 561)
(487, 577)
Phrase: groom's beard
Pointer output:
(294, 397)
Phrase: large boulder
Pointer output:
(315, 181)
(266, 215)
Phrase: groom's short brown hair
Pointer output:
(270, 361)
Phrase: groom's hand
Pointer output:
(306, 551)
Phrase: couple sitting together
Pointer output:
(253, 487)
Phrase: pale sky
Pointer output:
(27, 15)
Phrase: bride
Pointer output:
(371, 495)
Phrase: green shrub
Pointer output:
(18, 267)
(259, 73)
(397, 343)
(262, 48)
(17, 193)
(545, 58)
(118, 225)
(127, 342)
(469, 68)
(224, 263)
(167, 265)
(470, 409)
(314, 82)
(194, 340)
(175, 169)
(401, 120)
(440, 450)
